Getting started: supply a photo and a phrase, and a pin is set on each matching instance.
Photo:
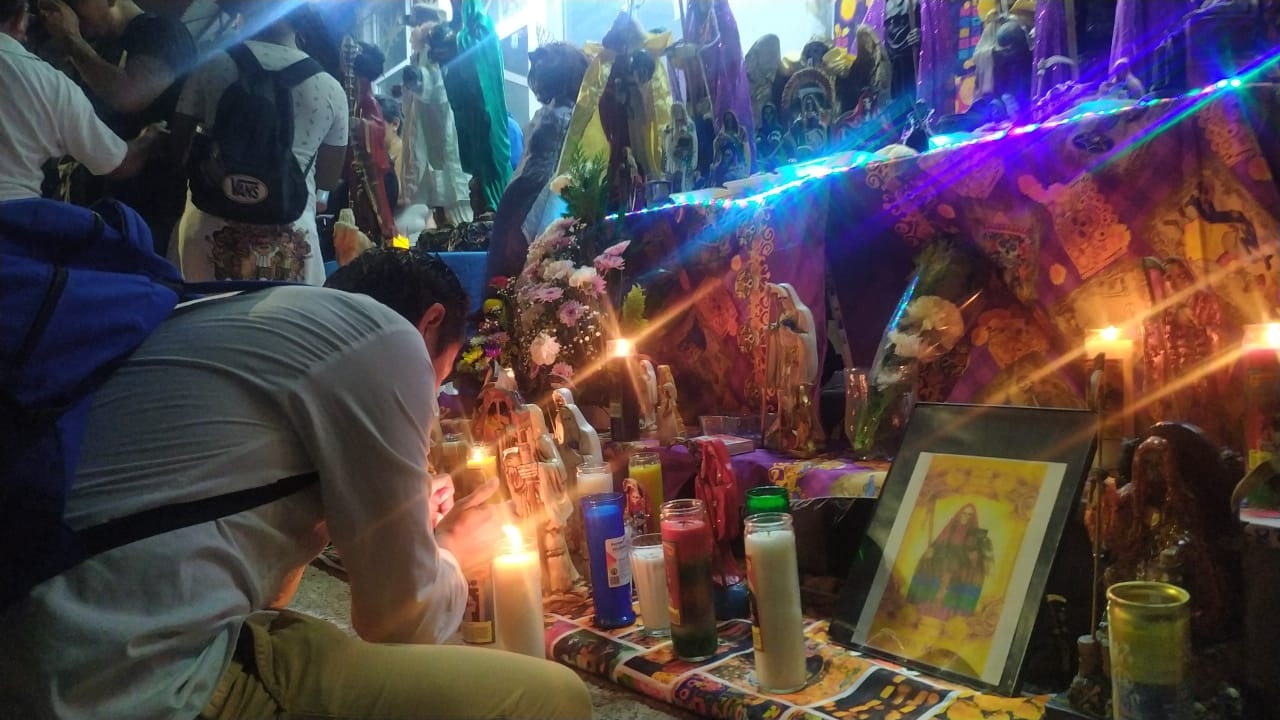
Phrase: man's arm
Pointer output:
(140, 149)
(127, 89)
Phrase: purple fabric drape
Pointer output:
(1051, 39)
(874, 17)
(1140, 26)
(728, 74)
(936, 80)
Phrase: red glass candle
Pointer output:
(687, 545)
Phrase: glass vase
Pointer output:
(881, 419)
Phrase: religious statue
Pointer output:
(710, 54)
(869, 79)
(716, 485)
(556, 70)
(572, 431)
(430, 171)
(772, 148)
(791, 359)
(539, 485)
(495, 408)
(948, 579)
(730, 151)
(670, 424)
(369, 163)
(470, 48)
(680, 150)
(647, 386)
(902, 42)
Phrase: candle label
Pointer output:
(757, 640)
(617, 553)
(477, 625)
(671, 563)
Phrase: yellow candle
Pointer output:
(1117, 422)
(646, 469)
(517, 598)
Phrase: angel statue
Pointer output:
(572, 431)
(791, 359)
(670, 425)
(550, 495)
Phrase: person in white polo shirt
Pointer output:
(45, 115)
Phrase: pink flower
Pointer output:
(617, 249)
(597, 285)
(571, 312)
(564, 370)
(546, 294)
(605, 263)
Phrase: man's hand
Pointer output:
(441, 501)
(472, 529)
(60, 21)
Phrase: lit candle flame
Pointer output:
(400, 242)
(1109, 334)
(513, 537)
(1271, 335)
(621, 347)
(478, 454)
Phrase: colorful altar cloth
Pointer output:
(842, 684)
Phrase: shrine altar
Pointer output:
(1092, 221)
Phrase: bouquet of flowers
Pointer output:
(925, 331)
(563, 299)
(491, 343)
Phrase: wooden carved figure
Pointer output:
(670, 425)
(539, 486)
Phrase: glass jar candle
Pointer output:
(773, 578)
(687, 545)
(645, 468)
(609, 552)
(1149, 625)
(766, 498)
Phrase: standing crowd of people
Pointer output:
(232, 393)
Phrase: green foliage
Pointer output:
(633, 306)
(587, 192)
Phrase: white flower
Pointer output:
(936, 324)
(559, 183)
(582, 278)
(906, 345)
(554, 270)
(544, 349)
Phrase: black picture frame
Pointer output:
(1064, 440)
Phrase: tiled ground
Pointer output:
(326, 596)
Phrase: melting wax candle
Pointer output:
(773, 577)
(517, 598)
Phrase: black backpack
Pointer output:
(243, 168)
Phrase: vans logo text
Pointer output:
(244, 189)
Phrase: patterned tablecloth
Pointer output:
(842, 684)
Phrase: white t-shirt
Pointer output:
(231, 394)
(211, 248)
(43, 115)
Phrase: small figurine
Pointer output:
(730, 152)
(680, 149)
(647, 384)
(495, 408)
(791, 358)
(769, 139)
(670, 425)
(804, 423)
(572, 431)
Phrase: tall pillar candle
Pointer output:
(609, 550)
(624, 400)
(1117, 421)
(517, 598)
(646, 469)
(687, 546)
(773, 578)
(1261, 371)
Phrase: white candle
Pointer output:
(773, 578)
(517, 599)
(1118, 422)
(593, 479)
(649, 573)
(1260, 370)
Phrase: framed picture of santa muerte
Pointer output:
(950, 575)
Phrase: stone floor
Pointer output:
(326, 596)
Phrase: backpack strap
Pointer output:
(246, 62)
(299, 72)
(156, 521)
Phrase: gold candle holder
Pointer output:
(1150, 631)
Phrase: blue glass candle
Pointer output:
(609, 549)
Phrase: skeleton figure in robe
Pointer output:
(791, 358)
(948, 580)
(557, 505)
(680, 149)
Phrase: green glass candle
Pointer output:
(767, 498)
